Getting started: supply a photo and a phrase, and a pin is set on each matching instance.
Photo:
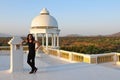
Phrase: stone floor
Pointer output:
(50, 68)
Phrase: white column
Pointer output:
(16, 54)
(36, 38)
(42, 39)
(58, 40)
(54, 40)
(46, 40)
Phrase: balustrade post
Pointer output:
(16, 54)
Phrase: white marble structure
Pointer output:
(16, 55)
(46, 25)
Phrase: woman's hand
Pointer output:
(38, 45)
(36, 48)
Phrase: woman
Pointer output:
(31, 55)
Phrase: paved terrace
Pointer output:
(50, 68)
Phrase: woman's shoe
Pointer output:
(35, 70)
(32, 71)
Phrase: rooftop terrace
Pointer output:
(52, 68)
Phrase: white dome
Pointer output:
(44, 20)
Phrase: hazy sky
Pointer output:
(84, 17)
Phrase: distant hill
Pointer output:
(115, 34)
(77, 35)
(73, 35)
(4, 35)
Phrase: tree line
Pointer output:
(90, 45)
(86, 45)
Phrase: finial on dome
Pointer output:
(44, 11)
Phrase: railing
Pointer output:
(105, 58)
(117, 59)
(76, 57)
(4, 48)
(80, 57)
(53, 52)
(64, 54)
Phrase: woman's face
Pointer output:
(30, 37)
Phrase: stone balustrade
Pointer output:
(80, 57)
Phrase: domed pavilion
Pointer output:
(47, 26)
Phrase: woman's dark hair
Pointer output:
(31, 36)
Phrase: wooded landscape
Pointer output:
(86, 45)
(90, 45)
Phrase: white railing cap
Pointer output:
(15, 40)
